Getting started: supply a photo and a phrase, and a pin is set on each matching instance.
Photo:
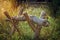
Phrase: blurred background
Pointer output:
(32, 7)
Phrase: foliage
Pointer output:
(47, 33)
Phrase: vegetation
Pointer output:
(47, 33)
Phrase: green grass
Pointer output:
(27, 33)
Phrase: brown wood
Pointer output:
(21, 11)
(7, 15)
(34, 28)
(14, 22)
(29, 22)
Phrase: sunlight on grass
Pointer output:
(24, 26)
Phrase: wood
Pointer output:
(7, 15)
(21, 11)
(29, 22)
(30, 19)
(14, 22)
(34, 28)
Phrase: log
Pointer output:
(14, 22)
(34, 19)
(36, 29)
(29, 22)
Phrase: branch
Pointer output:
(14, 22)
(7, 15)
(21, 11)
(29, 21)
(19, 18)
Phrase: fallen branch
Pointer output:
(14, 22)
(29, 22)
(36, 29)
